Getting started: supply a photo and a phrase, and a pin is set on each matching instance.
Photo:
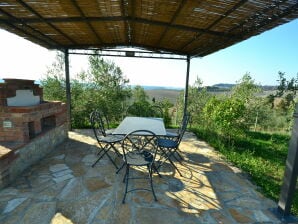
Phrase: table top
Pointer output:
(129, 124)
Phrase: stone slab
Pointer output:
(12, 204)
(62, 173)
(58, 167)
(63, 178)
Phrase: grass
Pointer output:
(261, 155)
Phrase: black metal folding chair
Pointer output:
(139, 150)
(169, 147)
(105, 141)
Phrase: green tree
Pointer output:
(102, 86)
(107, 87)
(246, 89)
(166, 106)
(287, 89)
(246, 92)
(233, 114)
(259, 113)
(139, 94)
(285, 99)
(140, 105)
(225, 116)
(198, 96)
(53, 84)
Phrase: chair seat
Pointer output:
(166, 143)
(110, 138)
(139, 159)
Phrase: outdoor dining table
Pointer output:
(129, 124)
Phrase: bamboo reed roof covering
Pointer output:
(185, 27)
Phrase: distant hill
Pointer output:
(159, 87)
(160, 94)
(269, 88)
(224, 85)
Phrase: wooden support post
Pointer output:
(186, 86)
(68, 95)
(291, 169)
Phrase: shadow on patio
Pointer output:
(64, 188)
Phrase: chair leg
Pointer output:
(178, 153)
(116, 150)
(120, 168)
(151, 182)
(176, 168)
(126, 171)
(167, 157)
(99, 158)
(105, 152)
(156, 170)
(126, 182)
(178, 160)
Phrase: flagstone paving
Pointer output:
(64, 188)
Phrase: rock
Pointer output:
(94, 184)
(40, 213)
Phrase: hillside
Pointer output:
(160, 94)
(223, 87)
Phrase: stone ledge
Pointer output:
(15, 158)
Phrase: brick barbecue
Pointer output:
(29, 127)
(24, 114)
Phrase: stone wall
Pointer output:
(14, 161)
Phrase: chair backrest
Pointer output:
(97, 124)
(140, 142)
(105, 121)
(183, 127)
(184, 121)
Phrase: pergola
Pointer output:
(166, 28)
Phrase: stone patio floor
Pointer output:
(64, 188)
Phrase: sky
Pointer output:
(262, 56)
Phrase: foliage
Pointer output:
(197, 99)
(102, 86)
(166, 105)
(287, 90)
(140, 105)
(198, 96)
(139, 108)
(226, 116)
(232, 115)
(283, 102)
(106, 87)
(246, 89)
(178, 110)
(139, 94)
(246, 92)
(54, 82)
